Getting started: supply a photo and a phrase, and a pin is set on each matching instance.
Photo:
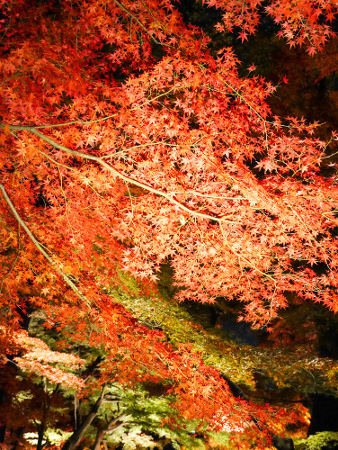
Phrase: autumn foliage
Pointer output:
(126, 143)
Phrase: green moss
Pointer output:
(287, 368)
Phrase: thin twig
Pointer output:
(87, 122)
(141, 24)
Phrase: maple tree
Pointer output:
(126, 143)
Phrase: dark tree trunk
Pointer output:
(2, 434)
(40, 437)
(78, 434)
(3, 401)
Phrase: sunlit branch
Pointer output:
(100, 161)
(40, 248)
(150, 144)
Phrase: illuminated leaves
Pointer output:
(302, 21)
(40, 360)
(126, 145)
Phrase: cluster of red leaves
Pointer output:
(301, 21)
(114, 156)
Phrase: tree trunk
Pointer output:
(99, 436)
(3, 402)
(77, 417)
(113, 425)
(40, 437)
(78, 434)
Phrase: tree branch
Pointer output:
(76, 437)
(118, 174)
(40, 248)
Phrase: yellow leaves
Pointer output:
(6, 129)
(4, 133)
(8, 239)
(155, 25)
(68, 269)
